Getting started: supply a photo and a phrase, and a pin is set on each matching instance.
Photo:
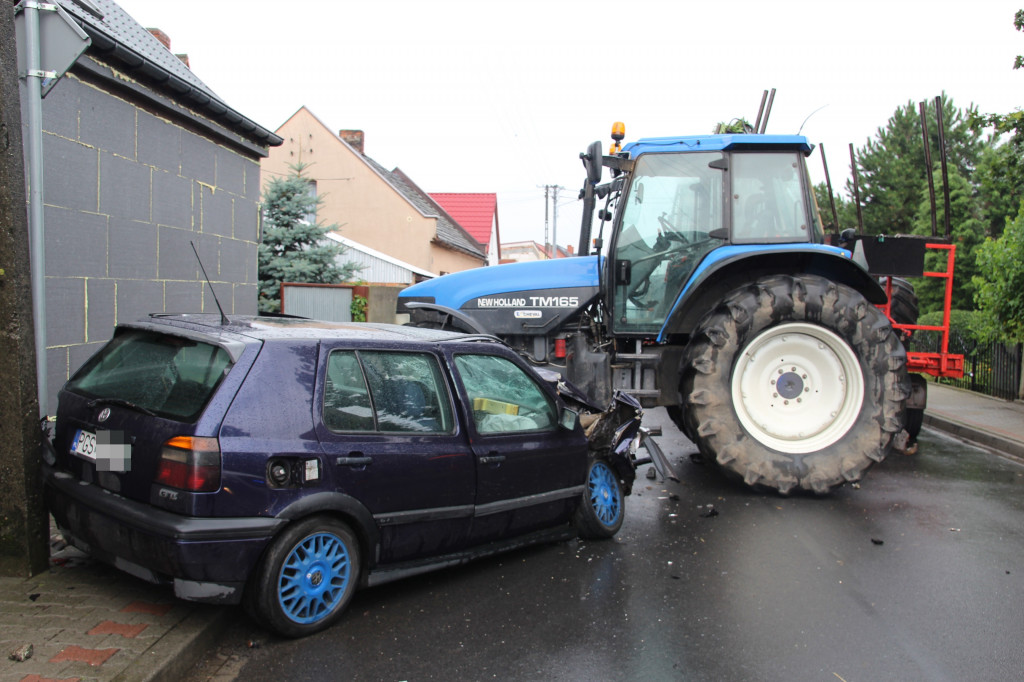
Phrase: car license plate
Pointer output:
(84, 444)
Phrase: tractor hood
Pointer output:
(529, 282)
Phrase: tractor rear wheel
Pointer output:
(794, 382)
(904, 310)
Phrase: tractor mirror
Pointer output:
(592, 162)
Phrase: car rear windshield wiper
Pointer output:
(121, 403)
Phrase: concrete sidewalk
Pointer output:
(991, 422)
(89, 622)
(86, 621)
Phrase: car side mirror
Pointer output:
(568, 419)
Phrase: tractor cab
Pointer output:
(683, 198)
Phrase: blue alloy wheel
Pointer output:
(605, 496)
(600, 511)
(306, 578)
(314, 577)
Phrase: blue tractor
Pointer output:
(718, 297)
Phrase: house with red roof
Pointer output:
(477, 213)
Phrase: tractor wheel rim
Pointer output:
(797, 388)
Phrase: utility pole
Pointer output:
(24, 525)
(546, 243)
(551, 194)
(554, 218)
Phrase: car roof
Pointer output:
(281, 327)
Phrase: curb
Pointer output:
(1005, 447)
(174, 654)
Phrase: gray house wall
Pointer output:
(130, 178)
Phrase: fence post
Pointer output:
(1020, 371)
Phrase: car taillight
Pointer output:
(190, 463)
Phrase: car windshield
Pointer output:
(167, 375)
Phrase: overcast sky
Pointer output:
(497, 96)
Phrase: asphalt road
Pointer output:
(917, 574)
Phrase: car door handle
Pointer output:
(492, 459)
(354, 461)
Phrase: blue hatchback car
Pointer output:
(282, 463)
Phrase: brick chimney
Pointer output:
(164, 39)
(355, 139)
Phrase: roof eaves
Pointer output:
(472, 247)
(107, 44)
(349, 243)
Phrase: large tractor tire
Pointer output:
(794, 382)
(904, 310)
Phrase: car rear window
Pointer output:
(168, 375)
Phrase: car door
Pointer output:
(386, 423)
(530, 471)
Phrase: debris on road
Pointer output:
(21, 654)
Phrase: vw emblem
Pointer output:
(103, 415)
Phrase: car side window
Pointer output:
(386, 391)
(503, 397)
(346, 398)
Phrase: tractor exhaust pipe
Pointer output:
(760, 112)
(928, 165)
(942, 157)
(767, 112)
(856, 191)
(831, 197)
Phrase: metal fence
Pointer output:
(990, 368)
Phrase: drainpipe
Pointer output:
(34, 156)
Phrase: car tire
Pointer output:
(759, 381)
(307, 577)
(602, 508)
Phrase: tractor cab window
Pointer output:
(768, 199)
(673, 204)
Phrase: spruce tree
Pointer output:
(294, 247)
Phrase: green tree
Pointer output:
(1001, 171)
(999, 283)
(891, 167)
(294, 248)
(1000, 181)
(735, 126)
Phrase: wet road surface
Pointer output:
(918, 574)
